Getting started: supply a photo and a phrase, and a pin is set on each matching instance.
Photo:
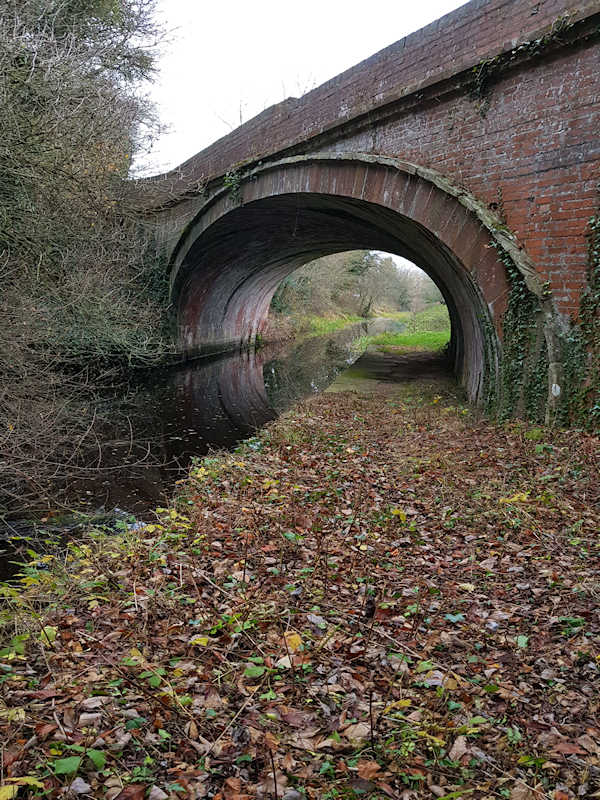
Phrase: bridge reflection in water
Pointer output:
(178, 414)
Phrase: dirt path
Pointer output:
(381, 595)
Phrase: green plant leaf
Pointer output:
(254, 671)
(424, 666)
(67, 766)
(48, 634)
(98, 758)
(454, 617)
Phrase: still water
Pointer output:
(181, 413)
(155, 426)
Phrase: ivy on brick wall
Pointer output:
(590, 318)
(233, 182)
(523, 383)
(582, 346)
(490, 70)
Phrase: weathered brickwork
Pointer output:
(500, 98)
(535, 153)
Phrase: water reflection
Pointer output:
(177, 414)
(157, 425)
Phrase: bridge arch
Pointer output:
(265, 222)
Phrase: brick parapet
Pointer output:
(533, 153)
(479, 30)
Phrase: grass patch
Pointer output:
(320, 326)
(424, 340)
(428, 329)
(432, 318)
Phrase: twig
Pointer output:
(372, 730)
(231, 721)
(287, 650)
(274, 774)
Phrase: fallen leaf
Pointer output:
(357, 732)
(521, 791)
(368, 769)
(79, 786)
(293, 641)
(567, 748)
(458, 749)
(135, 791)
(48, 634)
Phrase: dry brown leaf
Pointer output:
(232, 787)
(368, 769)
(267, 787)
(357, 732)
(458, 749)
(590, 745)
(271, 741)
(135, 791)
(568, 748)
(521, 791)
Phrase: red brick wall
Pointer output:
(535, 152)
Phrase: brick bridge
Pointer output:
(471, 147)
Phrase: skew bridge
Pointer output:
(472, 148)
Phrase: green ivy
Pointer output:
(233, 181)
(490, 393)
(490, 70)
(524, 367)
(523, 380)
(574, 357)
(585, 403)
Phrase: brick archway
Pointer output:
(246, 238)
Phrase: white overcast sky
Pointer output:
(227, 60)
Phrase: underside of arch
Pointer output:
(242, 243)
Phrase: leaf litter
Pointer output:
(377, 596)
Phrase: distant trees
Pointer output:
(358, 282)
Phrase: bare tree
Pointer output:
(358, 282)
(82, 290)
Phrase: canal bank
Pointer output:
(149, 429)
(379, 592)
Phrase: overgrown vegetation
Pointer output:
(490, 70)
(426, 330)
(582, 345)
(522, 389)
(352, 285)
(82, 290)
(524, 367)
(378, 596)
